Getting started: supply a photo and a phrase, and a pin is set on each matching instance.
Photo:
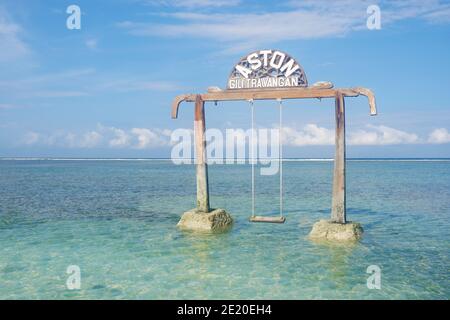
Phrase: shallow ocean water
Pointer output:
(116, 221)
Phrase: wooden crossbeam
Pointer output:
(273, 94)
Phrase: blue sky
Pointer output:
(105, 90)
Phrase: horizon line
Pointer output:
(224, 159)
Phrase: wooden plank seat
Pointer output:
(267, 219)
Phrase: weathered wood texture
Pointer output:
(338, 201)
(268, 94)
(338, 213)
(200, 149)
(267, 219)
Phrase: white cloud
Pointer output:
(50, 85)
(382, 135)
(79, 83)
(137, 138)
(244, 28)
(206, 3)
(306, 19)
(120, 139)
(38, 83)
(130, 85)
(102, 137)
(433, 11)
(441, 16)
(90, 139)
(12, 47)
(59, 94)
(31, 138)
(44, 139)
(194, 4)
(63, 139)
(312, 134)
(148, 138)
(439, 136)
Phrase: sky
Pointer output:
(105, 90)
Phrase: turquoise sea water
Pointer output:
(116, 221)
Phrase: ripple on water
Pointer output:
(116, 221)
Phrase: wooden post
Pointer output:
(200, 147)
(338, 202)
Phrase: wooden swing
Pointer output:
(269, 75)
(269, 219)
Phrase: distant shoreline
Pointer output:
(168, 159)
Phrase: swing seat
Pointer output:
(267, 219)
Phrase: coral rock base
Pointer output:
(331, 231)
(215, 221)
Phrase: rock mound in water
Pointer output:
(216, 220)
(332, 231)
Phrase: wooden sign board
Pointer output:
(267, 69)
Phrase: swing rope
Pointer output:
(280, 156)
(252, 155)
(255, 218)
